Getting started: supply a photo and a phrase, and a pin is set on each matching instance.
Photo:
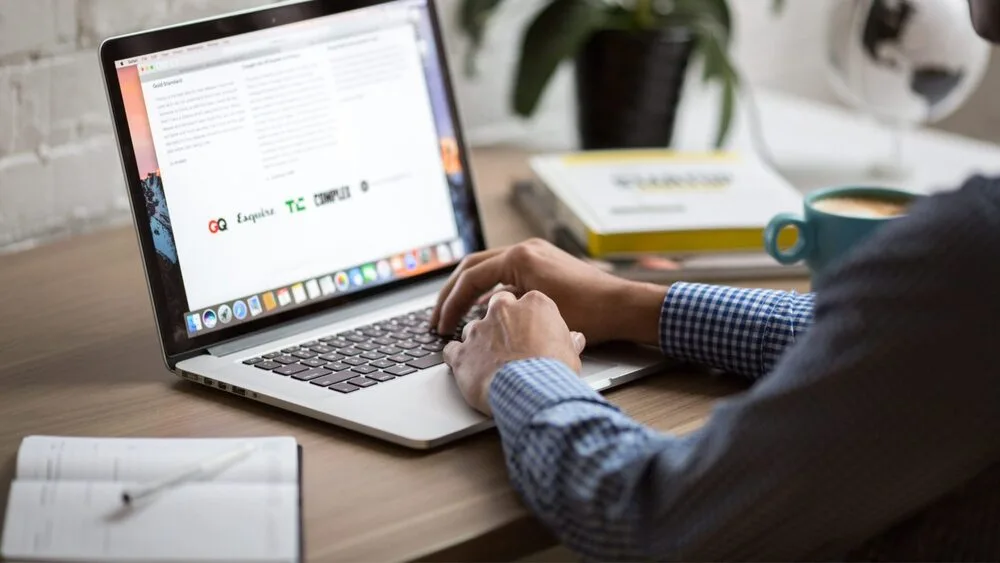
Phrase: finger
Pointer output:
(467, 263)
(508, 288)
(472, 283)
(498, 297)
(451, 353)
(467, 330)
(579, 341)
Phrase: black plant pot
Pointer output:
(628, 85)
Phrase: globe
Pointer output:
(905, 62)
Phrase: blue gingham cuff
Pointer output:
(740, 330)
(524, 388)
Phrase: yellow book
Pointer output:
(622, 202)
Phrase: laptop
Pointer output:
(301, 190)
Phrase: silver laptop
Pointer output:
(301, 190)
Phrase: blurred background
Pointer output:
(59, 171)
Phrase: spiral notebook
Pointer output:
(65, 503)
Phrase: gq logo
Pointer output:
(216, 225)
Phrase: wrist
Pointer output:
(635, 312)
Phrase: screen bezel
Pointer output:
(153, 41)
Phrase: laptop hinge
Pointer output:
(339, 314)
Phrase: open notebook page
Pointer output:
(209, 522)
(129, 460)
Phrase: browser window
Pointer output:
(295, 163)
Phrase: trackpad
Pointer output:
(593, 366)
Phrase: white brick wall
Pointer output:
(59, 172)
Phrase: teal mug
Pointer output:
(835, 220)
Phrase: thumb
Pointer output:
(579, 341)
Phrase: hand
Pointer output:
(601, 306)
(513, 329)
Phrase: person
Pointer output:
(870, 430)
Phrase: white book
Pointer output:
(65, 503)
(630, 201)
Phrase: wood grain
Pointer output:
(79, 356)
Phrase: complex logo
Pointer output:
(332, 196)
(296, 205)
(216, 225)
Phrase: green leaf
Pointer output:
(726, 113)
(556, 34)
(472, 19)
(718, 66)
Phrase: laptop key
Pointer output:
(433, 346)
(311, 374)
(427, 361)
(390, 350)
(338, 343)
(328, 338)
(349, 351)
(383, 341)
(338, 366)
(308, 344)
(271, 355)
(362, 381)
(356, 338)
(366, 346)
(425, 338)
(252, 361)
(344, 387)
(363, 369)
(289, 350)
(400, 335)
(400, 370)
(354, 361)
(372, 332)
(418, 353)
(313, 363)
(382, 364)
(304, 354)
(407, 345)
(268, 365)
(290, 369)
(400, 358)
(333, 378)
(286, 360)
(321, 349)
(332, 357)
(380, 377)
(372, 355)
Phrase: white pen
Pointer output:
(210, 465)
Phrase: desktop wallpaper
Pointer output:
(156, 202)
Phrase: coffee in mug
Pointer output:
(833, 222)
(861, 207)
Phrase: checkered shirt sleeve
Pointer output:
(554, 427)
(742, 331)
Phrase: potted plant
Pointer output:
(631, 57)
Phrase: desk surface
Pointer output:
(79, 356)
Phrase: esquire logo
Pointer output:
(254, 216)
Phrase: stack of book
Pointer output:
(659, 215)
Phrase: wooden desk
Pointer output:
(79, 356)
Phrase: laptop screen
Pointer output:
(291, 165)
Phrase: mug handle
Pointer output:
(802, 245)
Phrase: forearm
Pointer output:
(742, 331)
(573, 457)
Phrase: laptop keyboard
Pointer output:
(364, 357)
